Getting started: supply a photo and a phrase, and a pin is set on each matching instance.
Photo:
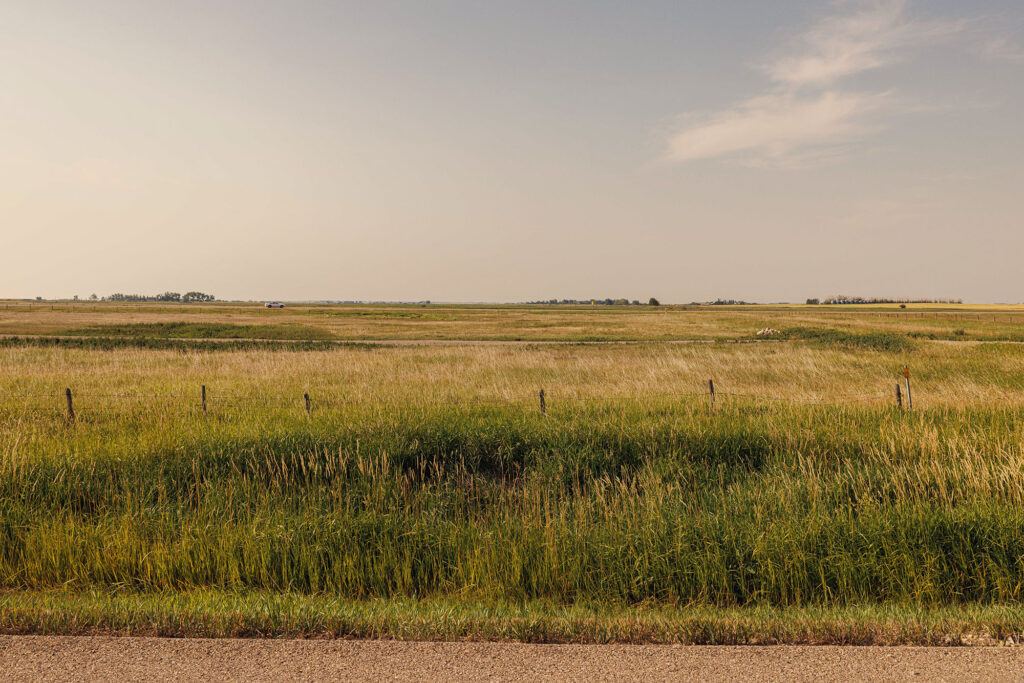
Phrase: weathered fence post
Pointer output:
(711, 396)
(203, 392)
(543, 407)
(906, 377)
(71, 408)
(306, 397)
(899, 396)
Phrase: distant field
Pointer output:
(425, 495)
(511, 323)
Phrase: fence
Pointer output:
(205, 401)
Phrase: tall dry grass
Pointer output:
(430, 472)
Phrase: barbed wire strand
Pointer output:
(193, 401)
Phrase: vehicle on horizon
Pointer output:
(274, 304)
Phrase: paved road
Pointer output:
(35, 658)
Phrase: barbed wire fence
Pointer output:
(204, 401)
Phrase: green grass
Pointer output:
(623, 503)
(873, 341)
(184, 330)
(426, 497)
(161, 344)
(216, 614)
(963, 335)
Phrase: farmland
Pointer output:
(424, 494)
(502, 323)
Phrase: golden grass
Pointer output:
(427, 471)
(943, 374)
(529, 323)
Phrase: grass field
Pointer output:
(425, 495)
(503, 323)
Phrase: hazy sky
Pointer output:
(486, 151)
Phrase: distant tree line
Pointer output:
(834, 300)
(597, 302)
(723, 302)
(186, 298)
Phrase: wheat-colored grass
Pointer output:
(429, 472)
(529, 323)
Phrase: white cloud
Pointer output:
(869, 37)
(804, 113)
(776, 126)
(1002, 48)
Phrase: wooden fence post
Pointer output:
(543, 407)
(711, 396)
(71, 409)
(906, 377)
(306, 397)
(203, 391)
(899, 396)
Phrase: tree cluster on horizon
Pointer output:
(174, 297)
(840, 299)
(596, 302)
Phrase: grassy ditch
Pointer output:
(629, 504)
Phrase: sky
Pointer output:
(513, 151)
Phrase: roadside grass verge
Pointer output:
(218, 614)
(626, 503)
